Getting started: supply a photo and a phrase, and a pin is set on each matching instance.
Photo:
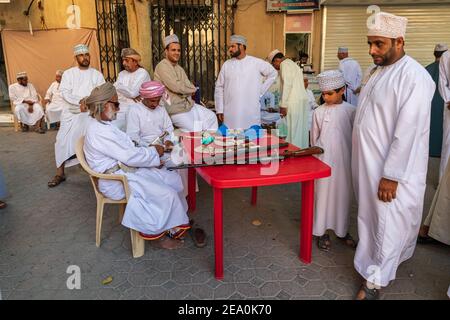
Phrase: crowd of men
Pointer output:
(376, 142)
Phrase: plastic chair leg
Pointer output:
(98, 229)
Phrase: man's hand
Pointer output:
(83, 106)
(357, 91)
(283, 112)
(137, 99)
(220, 117)
(448, 106)
(159, 149)
(168, 145)
(387, 190)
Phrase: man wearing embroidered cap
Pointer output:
(76, 84)
(332, 130)
(155, 207)
(26, 104)
(352, 73)
(240, 85)
(437, 106)
(54, 103)
(444, 89)
(294, 103)
(390, 155)
(128, 83)
(185, 114)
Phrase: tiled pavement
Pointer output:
(44, 231)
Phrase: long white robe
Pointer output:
(390, 140)
(155, 204)
(18, 94)
(54, 108)
(127, 86)
(332, 130)
(198, 118)
(438, 218)
(144, 125)
(353, 75)
(239, 87)
(444, 90)
(312, 106)
(295, 99)
(76, 84)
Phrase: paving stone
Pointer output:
(224, 291)
(38, 244)
(270, 289)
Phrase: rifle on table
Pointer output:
(256, 160)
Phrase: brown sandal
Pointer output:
(56, 181)
(324, 242)
(349, 241)
(369, 294)
(3, 205)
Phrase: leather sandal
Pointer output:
(3, 205)
(324, 242)
(369, 294)
(56, 181)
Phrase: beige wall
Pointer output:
(138, 17)
(54, 13)
(264, 31)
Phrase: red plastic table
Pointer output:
(304, 170)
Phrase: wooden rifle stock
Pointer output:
(303, 152)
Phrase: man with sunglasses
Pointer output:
(76, 84)
(155, 207)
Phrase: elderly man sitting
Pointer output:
(27, 108)
(156, 207)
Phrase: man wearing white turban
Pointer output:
(127, 85)
(389, 155)
(240, 86)
(54, 102)
(76, 84)
(27, 108)
(185, 114)
(352, 72)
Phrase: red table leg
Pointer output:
(218, 232)
(306, 221)
(254, 195)
(191, 189)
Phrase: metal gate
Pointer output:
(112, 33)
(203, 27)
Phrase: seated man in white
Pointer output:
(184, 113)
(128, 83)
(53, 100)
(156, 207)
(148, 119)
(26, 102)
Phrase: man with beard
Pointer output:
(389, 155)
(25, 99)
(351, 70)
(128, 83)
(76, 84)
(185, 114)
(240, 85)
(156, 207)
